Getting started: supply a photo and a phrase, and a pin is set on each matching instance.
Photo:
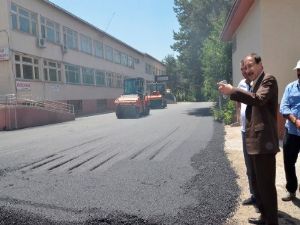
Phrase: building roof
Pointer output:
(237, 13)
(96, 28)
(149, 56)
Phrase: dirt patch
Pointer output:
(289, 212)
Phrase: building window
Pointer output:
(86, 45)
(117, 56)
(50, 30)
(130, 62)
(87, 76)
(23, 20)
(108, 53)
(148, 68)
(52, 71)
(119, 82)
(98, 46)
(70, 38)
(153, 70)
(109, 79)
(124, 59)
(136, 61)
(27, 67)
(114, 80)
(72, 74)
(100, 78)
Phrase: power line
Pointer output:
(109, 22)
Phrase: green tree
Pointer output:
(215, 60)
(216, 65)
(195, 18)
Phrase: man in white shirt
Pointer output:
(245, 85)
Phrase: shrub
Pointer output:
(224, 111)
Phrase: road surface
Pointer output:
(166, 168)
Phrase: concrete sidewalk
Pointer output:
(289, 212)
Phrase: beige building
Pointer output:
(269, 28)
(49, 53)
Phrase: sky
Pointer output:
(146, 25)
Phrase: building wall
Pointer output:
(5, 66)
(21, 117)
(281, 35)
(270, 29)
(248, 39)
(25, 45)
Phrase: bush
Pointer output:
(226, 112)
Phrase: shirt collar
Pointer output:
(254, 81)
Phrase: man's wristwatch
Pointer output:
(293, 120)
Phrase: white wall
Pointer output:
(6, 76)
(248, 39)
(281, 39)
(271, 29)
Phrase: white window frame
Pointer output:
(17, 15)
(119, 81)
(70, 68)
(130, 62)
(117, 56)
(52, 66)
(86, 44)
(108, 53)
(21, 63)
(88, 76)
(70, 38)
(109, 79)
(124, 59)
(148, 68)
(98, 49)
(48, 26)
(100, 78)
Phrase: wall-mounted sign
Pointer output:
(160, 78)
(23, 85)
(4, 54)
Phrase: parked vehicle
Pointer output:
(156, 95)
(133, 102)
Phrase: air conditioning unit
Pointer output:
(41, 42)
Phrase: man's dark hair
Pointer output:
(256, 57)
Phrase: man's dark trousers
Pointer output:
(264, 186)
(291, 146)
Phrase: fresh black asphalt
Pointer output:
(214, 186)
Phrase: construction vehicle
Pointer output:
(156, 95)
(133, 102)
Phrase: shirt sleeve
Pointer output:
(285, 105)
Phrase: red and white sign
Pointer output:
(4, 54)
(23, 85)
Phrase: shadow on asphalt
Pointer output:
(296, 202)
(285, 218)
(200, 112)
